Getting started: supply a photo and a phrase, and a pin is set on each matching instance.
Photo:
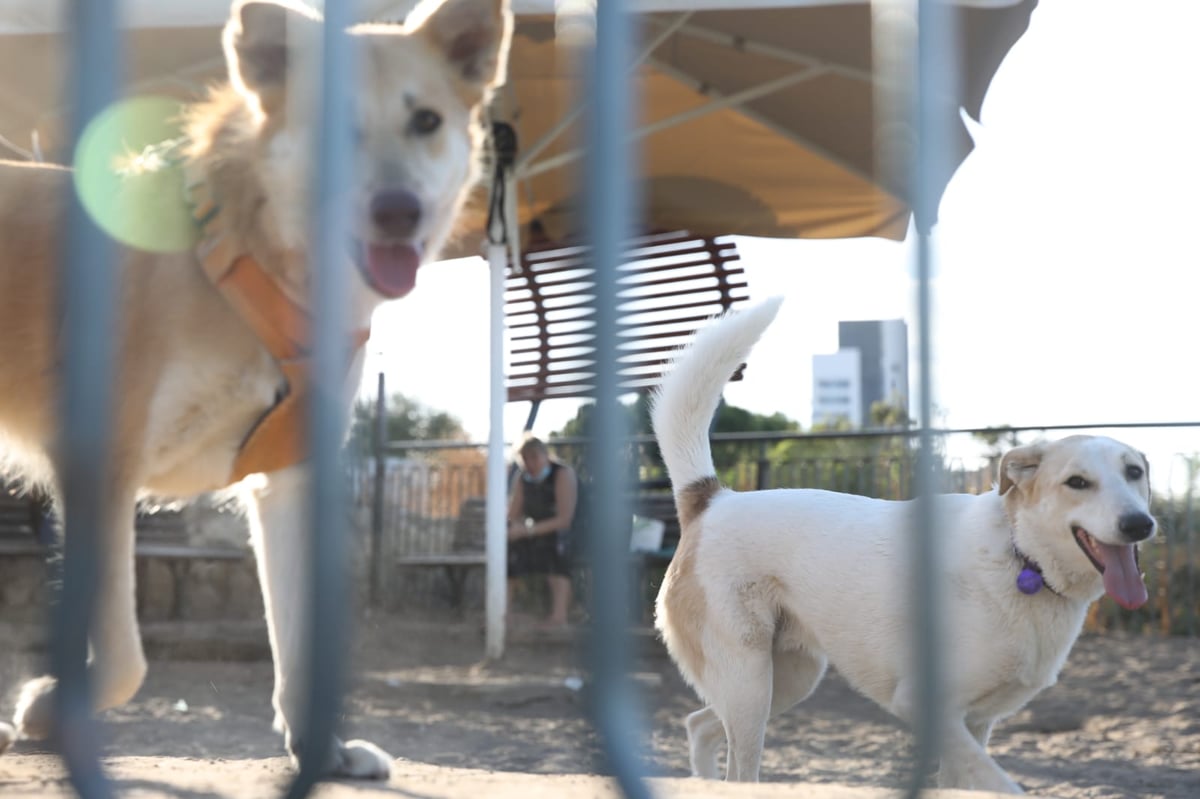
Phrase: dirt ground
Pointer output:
(1124, 721)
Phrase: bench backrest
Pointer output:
(659, 505)
(470, 528)
(17, 514)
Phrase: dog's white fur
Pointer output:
(769, 587)
(191, 377)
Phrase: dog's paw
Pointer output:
(359, 760)
(362, 760)
(34, 716)
(1001, 784)
(7, 736)
(989, 777)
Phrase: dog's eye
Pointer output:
(1077, 482)
(425, 121)
(1134, 472)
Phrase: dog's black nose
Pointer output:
(396, 212)
(1136, 526)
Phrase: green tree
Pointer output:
(871, 465)
(581, 425)
(728, 456)
(875, 466)
(889, 415)
(636, 420)
(406, 420)
(998, 440)
(736, 461)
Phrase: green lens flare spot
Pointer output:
(129, 176)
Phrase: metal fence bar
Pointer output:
(925, 551)
(380, 466)
(87, 294)
(330, 301)
(933, 70)
(1189, 549)
(610, 208)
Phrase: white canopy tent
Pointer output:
(45, 16)
(759, 118)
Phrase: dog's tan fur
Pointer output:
(191, 378)
(686, 602)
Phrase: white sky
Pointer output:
(1067, 289)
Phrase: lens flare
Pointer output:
(129, 176)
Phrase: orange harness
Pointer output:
(278, 439)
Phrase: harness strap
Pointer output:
(278, 439)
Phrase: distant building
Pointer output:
(871, 365)
(837, 387)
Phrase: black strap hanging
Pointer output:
(504, 157)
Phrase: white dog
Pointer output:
(212, 346)
(768, 587)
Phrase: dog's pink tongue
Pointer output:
(1122, 578)
(392, 268)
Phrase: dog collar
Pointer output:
(1030, 579)
(277, 438)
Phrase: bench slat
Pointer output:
(449, 559)
(31, 546)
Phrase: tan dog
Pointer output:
(769, 587)
(195, 372)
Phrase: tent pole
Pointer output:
(503, 242)
(497, 492)
(533, 412)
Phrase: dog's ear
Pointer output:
(473, 35)
(259, 40)
(1019, 465)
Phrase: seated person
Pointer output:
(540, 512)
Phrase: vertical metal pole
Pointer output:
(495, 577)
(87, 294)
(611, 207)
(327, 611)
(1166, 613)
(926, 556)
(1189, 549)
(380, 440)
(762, 480)
(932, 76)
(504, 245)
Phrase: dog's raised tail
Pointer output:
(683, 406)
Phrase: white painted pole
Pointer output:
(495, 576)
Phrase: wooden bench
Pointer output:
(179, 559)
(23, 523)
(17, 512)
(25, 531)
(468, 550)
(654, 500)
(660, 505)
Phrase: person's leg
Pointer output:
(512, 617)
(560, 599)
(518, 566)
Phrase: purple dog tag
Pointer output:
(1029, 581)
